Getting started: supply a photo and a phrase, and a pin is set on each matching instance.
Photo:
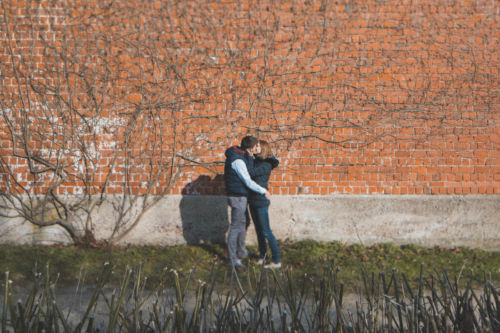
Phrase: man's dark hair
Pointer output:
(248, 142)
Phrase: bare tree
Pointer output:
(97, 112)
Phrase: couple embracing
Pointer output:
(246, 173)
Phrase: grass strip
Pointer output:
(304, 257)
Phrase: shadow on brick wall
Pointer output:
(204, 211)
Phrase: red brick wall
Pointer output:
(382, 96)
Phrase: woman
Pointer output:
(259, 204)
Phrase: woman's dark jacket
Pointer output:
(260, 174)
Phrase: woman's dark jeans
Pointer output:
(260, 217)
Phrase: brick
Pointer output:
(401, 115)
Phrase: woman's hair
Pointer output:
(265, 151)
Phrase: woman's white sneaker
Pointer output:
(273, 265)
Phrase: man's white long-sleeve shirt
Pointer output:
(241, 170)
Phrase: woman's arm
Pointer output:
(261, 169)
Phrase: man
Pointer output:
(238, 185)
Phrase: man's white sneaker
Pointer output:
(273, 265)
(238, 264)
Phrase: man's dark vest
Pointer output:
(234, 185)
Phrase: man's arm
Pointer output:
(241, 170)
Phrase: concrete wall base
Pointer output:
(426, 220)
